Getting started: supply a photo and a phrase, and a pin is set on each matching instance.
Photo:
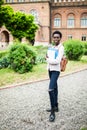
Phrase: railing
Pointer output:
(69, 2)
(53, 1)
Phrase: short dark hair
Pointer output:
(57, 32)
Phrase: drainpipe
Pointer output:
(50, 28)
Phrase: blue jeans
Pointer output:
(53, 88)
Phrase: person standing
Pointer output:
(53, 66)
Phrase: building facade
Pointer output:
(67, 16)
(70, 17)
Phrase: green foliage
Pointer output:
(4, 62)
(30, 34)
(19, 24)
(84, 128)
(85, 48)
(40, 59)
(1, 2)
(6, 15)
(41, 51)
(22, 57)
(3, 53)
(74, 49)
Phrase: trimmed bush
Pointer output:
(4, 62)
(74, 49)
(22, 57)
(85, 48)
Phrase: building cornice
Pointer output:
(69, 4)
(27, 2)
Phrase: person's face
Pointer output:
(56, 38)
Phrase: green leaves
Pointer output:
(74, 49)
(19, 24)
(1, 2)
(22, 57)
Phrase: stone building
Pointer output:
(67, 16)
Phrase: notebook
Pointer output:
(52, 53)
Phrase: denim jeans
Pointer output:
(53, 88)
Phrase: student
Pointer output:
(53, 66)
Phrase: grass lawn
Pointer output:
(39, 72)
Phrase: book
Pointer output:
(52, 52)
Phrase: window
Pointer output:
(83, 38)
(32, 0)
(35, 14)
(57, 20)
(9, 1)
(69, 36)
(84, 20)
(21, 0)
(70, 21)
(55, 1)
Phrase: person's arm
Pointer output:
(58, 58)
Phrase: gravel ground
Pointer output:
(24, 107)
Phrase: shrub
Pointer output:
(74, 49)
(40, 59)
(4, 62)
(41, 51)
(85, 48)
(3, 53)
(22, 57)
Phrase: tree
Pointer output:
(30, 34)
(6, 15)
(1, 2)
(19, 24)
(1, 22)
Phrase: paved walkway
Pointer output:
(23, 107)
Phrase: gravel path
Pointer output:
(24, 107)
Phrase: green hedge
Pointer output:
(85, 48)
(74, 49)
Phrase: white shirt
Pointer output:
(54, 64)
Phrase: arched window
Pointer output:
(70, 21)
(35, 14)
(84, 20)
(57, 20)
